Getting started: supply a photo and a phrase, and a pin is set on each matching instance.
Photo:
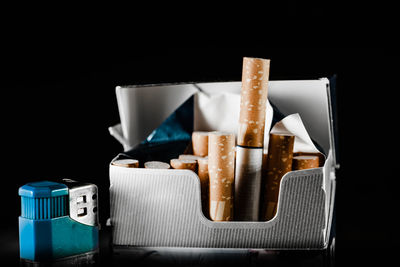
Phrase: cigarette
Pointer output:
(204, 183)
(279, 162)
(221, 171)
(305, 162)
(249, 153)
(184, 164)
(200, 143)
(127, 163)
(156, 165)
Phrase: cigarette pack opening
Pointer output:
(153, 208)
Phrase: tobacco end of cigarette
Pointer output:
(128, 163)
(184, 164)
(156, 165)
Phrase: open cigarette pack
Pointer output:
(163, 207)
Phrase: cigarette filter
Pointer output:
(279, 162)
(200, 143)
(184, 164)
(249, 152)
(321, 157)
(221, 151)
(189, 156)
(128, 163)
(204, 183)
(305, 162)
(253, 101)
(156, 165)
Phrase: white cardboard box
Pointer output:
(162, 208)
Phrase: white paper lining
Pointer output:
(220, 112)
(214, 110)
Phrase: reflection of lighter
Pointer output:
(250, 141)
(58, 220)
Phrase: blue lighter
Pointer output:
(58, 220)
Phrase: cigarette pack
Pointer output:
(162, 208)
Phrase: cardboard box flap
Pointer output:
(143, 108)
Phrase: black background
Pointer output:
(58, 82)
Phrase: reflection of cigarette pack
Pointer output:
(162, 208)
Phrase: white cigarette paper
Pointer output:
(247, 183)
